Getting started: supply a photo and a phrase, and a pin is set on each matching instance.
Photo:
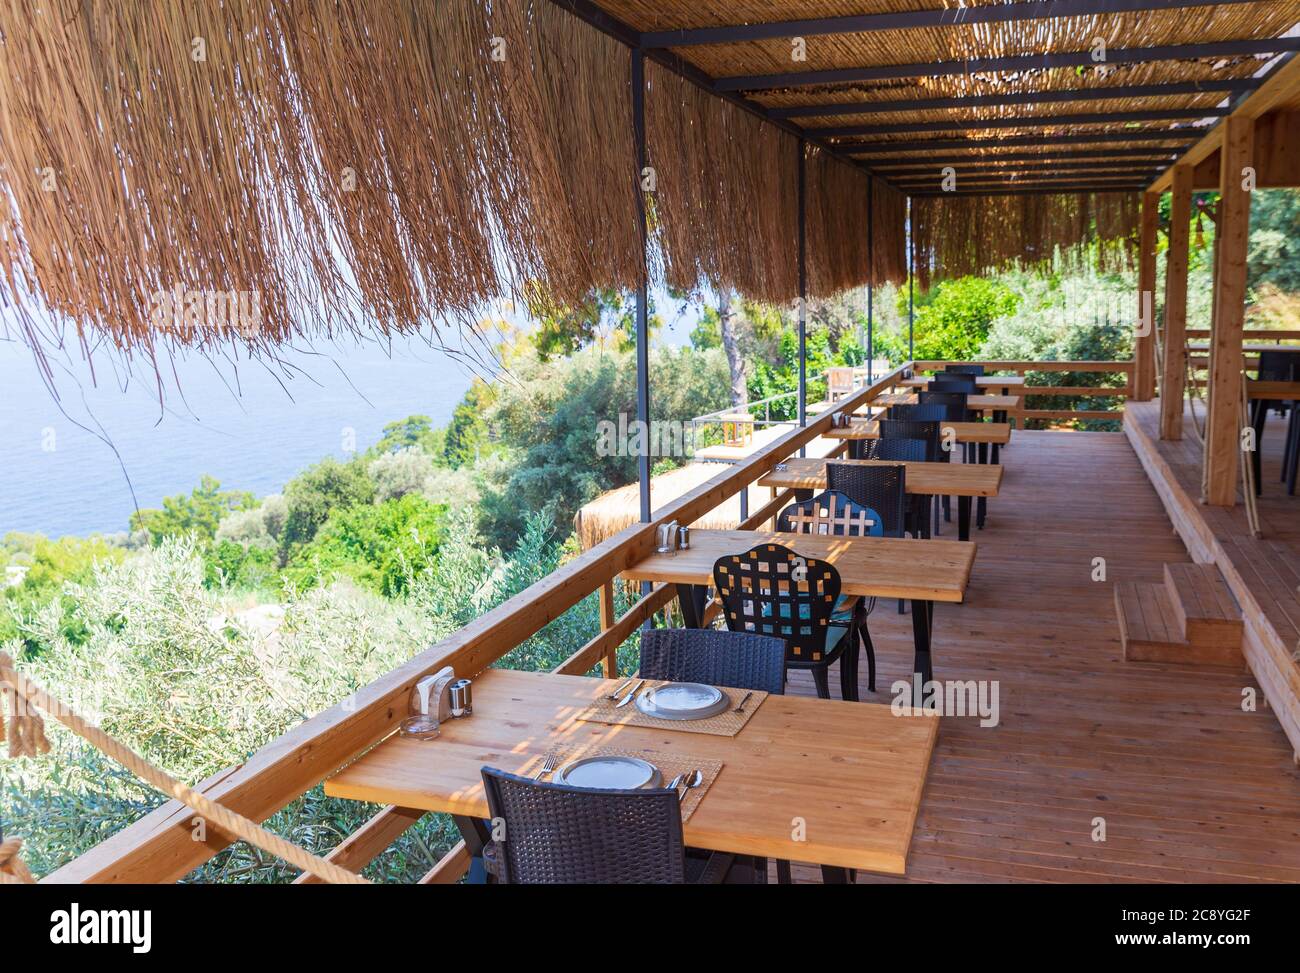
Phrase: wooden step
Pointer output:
(1151, 630)
(1207, 612)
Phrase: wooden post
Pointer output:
(1172, 370)
(608, 664)
(1144, 348)
(1223, 432)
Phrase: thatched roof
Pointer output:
(391, 164)
(611, 512)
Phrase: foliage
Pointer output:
(376, 545)
(45, 566)
(467, 434)
(548, 421)
(413, 431)
(953, 319)
(317, 492)
(404, 471)
(199, 513)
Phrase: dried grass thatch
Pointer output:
(725, 207)
(961, 235)
(610, 512)
(837, 206)
(889, 215)
(340, 162)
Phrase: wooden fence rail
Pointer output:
(1125, 368)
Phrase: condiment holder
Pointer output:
(668, 537)
(434, 699)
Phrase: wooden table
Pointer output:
(1268, 390)
(922, 571)
(987, 403)
(960, 480)
(1004, 382)
(1248, 347)
(964, 432)
(853, 772)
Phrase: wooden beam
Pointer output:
(1173, 372)
(1280, 91)
(609, 663)
(361, 847)
(1223, 426)
(450, 868)
(1144, 347)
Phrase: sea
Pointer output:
(79, 458)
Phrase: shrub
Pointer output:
(314, 494)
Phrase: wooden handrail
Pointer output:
(161, 846)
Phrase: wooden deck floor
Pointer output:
(1191, 788)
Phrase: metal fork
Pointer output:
(616, 692)
(552, 761)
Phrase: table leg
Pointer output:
(963, 518)
(832, 875)
(922, 623)
(999, 415)
(801, 495)
(983, 501)
(476, 834)
(691, 597)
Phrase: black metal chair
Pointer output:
(554, 834)
(737, 659)
(836, 514)
(772, 590)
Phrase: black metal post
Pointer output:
(642, 297)
(871, 277)
(911, 273)
(803, 291)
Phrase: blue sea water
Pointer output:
(251, 427)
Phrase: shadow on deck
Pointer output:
(1190, 787)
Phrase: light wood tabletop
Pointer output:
(942, 479)
(966, 432)
(1283, 391)
(884, 567)
(983, 381)
(852, 772)
(989, 403)
(1248, 347)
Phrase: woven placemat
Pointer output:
(670, 765)
(726, 724)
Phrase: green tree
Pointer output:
(380, 546)
(317, 492)
(953, 318)
(199, 513)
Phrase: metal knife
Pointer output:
(628, 698)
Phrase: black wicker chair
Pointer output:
(954, 383)
(761, 592)
(884, 489)
(740, 660)
(836, 514)
(899, 450)
(931, 432)
(1275, 366)
(963, 370)
(559, 835)
(918, 413)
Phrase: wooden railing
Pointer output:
(1125, 368)
(1200, 359)
(162, 846)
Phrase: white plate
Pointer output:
(683, 701)
(608, 772)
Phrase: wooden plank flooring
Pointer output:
(1191, 788)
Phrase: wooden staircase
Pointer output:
(1192, 617)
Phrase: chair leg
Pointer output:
(871, 658)
(821, 676)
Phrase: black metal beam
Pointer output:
(1128, 165)
(971, 185)
(1034, 121)
(1170, 90)
(939, 17)
(867, 149)
(1017, 63)
(1017, 172)
(642, 295)
(1046, 191)
(898, 167)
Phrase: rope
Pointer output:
(27, 738)
(1247, 464)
